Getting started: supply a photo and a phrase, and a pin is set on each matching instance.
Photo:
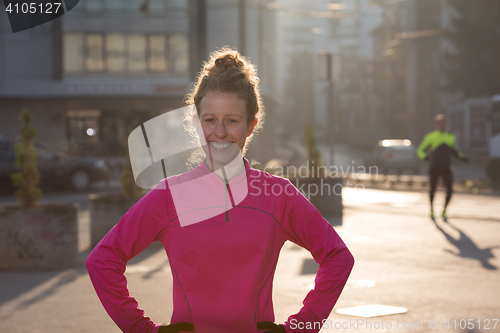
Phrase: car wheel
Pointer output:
(80, 180)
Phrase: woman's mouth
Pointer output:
(220, 145)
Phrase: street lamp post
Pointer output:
(329, 69)
(242, 30)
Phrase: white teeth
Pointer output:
(220, 145)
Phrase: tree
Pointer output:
(130, 188)
(313, 153)
(26, 180)
(472, 63)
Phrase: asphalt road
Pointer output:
(439, 271)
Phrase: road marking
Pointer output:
(371, 310)
(360, 283)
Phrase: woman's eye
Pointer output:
(232, 121)
(209, 120)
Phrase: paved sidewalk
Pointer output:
(439, 271)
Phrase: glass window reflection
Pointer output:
(115, 52)
(73, 52)
(137, 53)
(95, 55)
(179, 53)
(93, 5)
(113, 5)
(157, 60)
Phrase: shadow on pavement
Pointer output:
(309, 267)
(16, 283)
(467, 248)
(148, 252)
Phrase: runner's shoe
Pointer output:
(445, 218)
(432, 214)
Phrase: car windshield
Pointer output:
(40, 145)
(407, 148)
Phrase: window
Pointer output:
(118, 53)
(73, 52)
(495, 118)
(115, 53)
(113, 5)
(179, 51)
(157, 7)
(95, 55)
(157, 59)
(93, 6)
(179, 4)
(137, 53)
(133, 7)
(79, 121)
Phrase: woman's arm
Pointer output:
(141, 225)
(304, 225)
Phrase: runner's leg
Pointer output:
(433, 177)
(448, 181)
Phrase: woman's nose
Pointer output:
(220, 131)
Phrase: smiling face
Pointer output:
(225, 125)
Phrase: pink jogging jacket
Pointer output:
(223, 266)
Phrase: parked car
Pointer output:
(56, 169)
(394, 155)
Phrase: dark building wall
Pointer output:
(428, 13)
(28, 54)
(51, 115)
(32, 77)
(48, 119)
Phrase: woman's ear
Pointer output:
(251, 127)
(196, 123)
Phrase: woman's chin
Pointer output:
(222, 157)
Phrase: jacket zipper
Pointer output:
(227, 195)
(225, 199)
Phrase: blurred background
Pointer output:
(361, 79)
(359, 70)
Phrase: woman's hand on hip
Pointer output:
(174, 328)
(273, 328)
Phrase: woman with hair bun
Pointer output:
(223, 225)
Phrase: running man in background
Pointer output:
(438, 147)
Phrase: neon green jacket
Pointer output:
(439, 147)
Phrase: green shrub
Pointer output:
(130, 189)
(26, 180)
(313, 153)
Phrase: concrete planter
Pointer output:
(38, 238)
(106, 209)
(325, 194)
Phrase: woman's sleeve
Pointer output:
(141, 225)
(304, 225)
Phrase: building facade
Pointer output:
(107, 66)
(341, 27)
(94, 74)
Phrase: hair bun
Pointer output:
(228, 61)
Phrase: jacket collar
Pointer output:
(234, 168)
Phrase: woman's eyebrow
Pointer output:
(226, 115)
(234, 114)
